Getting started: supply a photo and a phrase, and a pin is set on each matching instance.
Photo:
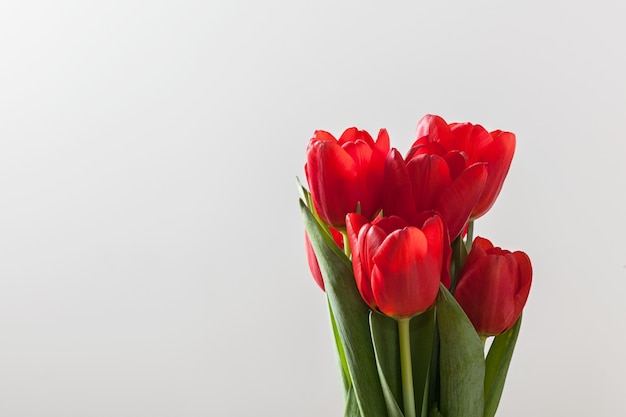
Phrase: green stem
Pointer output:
(456, 262)
(346, 244)
(483, 339)
(408, 394)
(470, 235)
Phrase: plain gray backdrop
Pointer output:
(151, 246)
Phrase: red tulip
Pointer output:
(345, 174)
(397, 267)
(433, 182)
(312, 259)
(493, 287)
(464, 144)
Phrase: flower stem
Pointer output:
(346, 244)
(406, 368)
(470, 235)
(483, 339)
(456, 262)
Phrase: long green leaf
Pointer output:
(422, 332)
(345, 374)
(497, 366)
(386, 347)
(433, 372)
(461, 360)
(352, 409)
(304, 193)
(351, 316)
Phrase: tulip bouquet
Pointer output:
(412, 296)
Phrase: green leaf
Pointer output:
(422, 333)
(461, 360)
(433, 372)
(305, 195)
(345, 374)
(497, 366)
(387, 350)
(351, 317)
(352, 409)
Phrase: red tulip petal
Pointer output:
(391, 223)
(354, 223)
(405, 280)
(322, 135)
(457, 201)
(360, 152)
(498, 156)
(418, 221)
(397, 188)
(460, 138)
(353, 134)
(482, 243)
(425, 146)
(332, 177)
(434, 230)
(348, 135)
(430, 177)
(525, 279)
(365, 136)
(370, 240)
(368, 185)
(485, 291)
(457, 162)
(382, 142)
(337, 236)
(361, 266)
(312, 261)
(434, 127)
(364, 240)
(479, 249)
(436, 235)
(469, 138)
(369, 159)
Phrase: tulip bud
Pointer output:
(345, 173)
(397, 267)
(493, 287)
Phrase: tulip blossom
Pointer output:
(433, 182)
(397, 267)
(465, 144)
(312, 259)
(346, 174)
(493, 287)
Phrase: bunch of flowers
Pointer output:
(412, 296)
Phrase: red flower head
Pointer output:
(465, 144)
(346, 173)
(432, 182)
(312, 259)
(397, 267)
(493, 287)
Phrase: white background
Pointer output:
(151, 246)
